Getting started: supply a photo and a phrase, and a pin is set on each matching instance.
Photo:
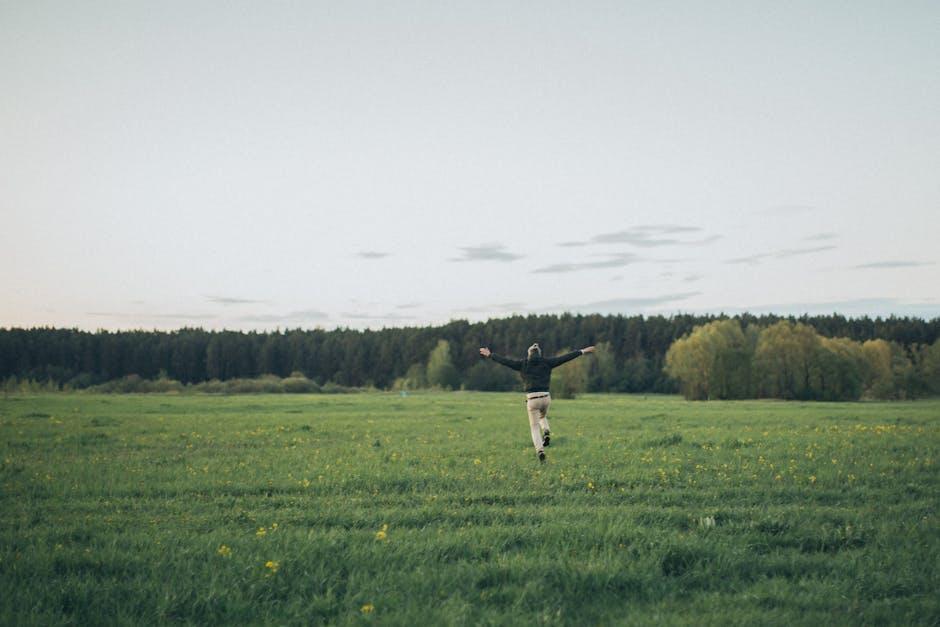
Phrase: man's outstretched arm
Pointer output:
(557, 361)
(515, 364)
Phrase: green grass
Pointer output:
(113, 509)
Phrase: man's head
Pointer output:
(535, 350)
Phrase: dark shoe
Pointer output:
(546, 438)
(542, 456)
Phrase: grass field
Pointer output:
(432, 509)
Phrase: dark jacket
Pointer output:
(537, 370)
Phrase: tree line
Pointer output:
(632, 359)
(791, 360)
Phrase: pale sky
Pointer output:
(255, 165)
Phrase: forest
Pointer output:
(446, 356)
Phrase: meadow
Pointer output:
(431, 509)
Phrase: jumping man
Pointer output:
(536, 374)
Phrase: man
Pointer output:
(536, 374)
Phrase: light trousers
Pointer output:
(538, 418)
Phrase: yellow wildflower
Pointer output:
(382, 534)
(477, 462)
(272, 566)
(368, 608)
(261, 532)
(224, 551)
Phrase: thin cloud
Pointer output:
(796, 252)
(408, 306)
(691, 278)
(369, 316)
(627, 304)
(230, 300)
(820, 237)
(667, 228)
(151, 316)
(293, 316)
(894, 264)
(486, 252)
(780, 254)
(502, 307)
(749, 260)
(613, 261)
(643, 239)
(646, 236)
(372, 254)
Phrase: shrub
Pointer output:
(297, 383)
(331, 387)
(266, 384)
(135, 384)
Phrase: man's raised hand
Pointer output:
(589, 349)
(485, 352)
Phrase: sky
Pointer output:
(264, 165)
